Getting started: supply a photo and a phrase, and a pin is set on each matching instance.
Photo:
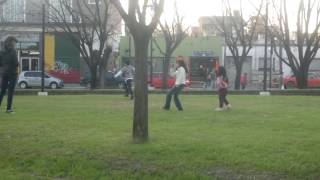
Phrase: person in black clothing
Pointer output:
(9, 63)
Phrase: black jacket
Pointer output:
(9, 61)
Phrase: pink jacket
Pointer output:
(221, 84)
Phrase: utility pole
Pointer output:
(271, 63)
(266, 49)
(151, 61)
(281, 66)
(43, 47)
(42, 51)
(280, 53)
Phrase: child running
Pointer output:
(222, 85)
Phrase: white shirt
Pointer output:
(127, 72)
(181, 76)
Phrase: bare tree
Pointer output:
(307, 40)
(136, 20)
(174, 34)
(2, 2)
(238, 35)
(89, 27)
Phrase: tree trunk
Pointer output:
(93, 82)
(302, 77)
(140, 119)
(238, 66)
(237, 79)
(102, 76)
(166, 66)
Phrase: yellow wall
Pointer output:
(49, 51)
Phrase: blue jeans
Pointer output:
(8, 83)
(128, 88)
(175, 91)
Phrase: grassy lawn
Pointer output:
(89, 137)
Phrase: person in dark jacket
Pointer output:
(9, 63)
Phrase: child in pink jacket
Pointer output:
(222, 85)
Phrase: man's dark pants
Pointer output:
(8, 83)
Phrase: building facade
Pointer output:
(23, 19)
(14, 11)
(198, 51)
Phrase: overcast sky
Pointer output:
(193, 9)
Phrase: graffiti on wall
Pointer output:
(62, 67)
(65, 72)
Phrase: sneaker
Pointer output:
(10, 112)
(218, 109)
(229, 106)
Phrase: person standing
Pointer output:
(180, 83)
(9, 63)
(212, 79)
(127, 72)
(203, 76)
(244, 81)
(208, 78)
(222, 84)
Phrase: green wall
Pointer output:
(66, 52)
(187, 47)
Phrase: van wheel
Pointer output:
(54, 85)
(23, 85)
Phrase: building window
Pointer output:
(261, 64)
(315, 65)
(56, 10)
(14, 10)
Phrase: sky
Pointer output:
(193, 9)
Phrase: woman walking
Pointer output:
(9, 62)
(180, 83)
(222, 84)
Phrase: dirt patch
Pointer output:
(131, 165)
(227, 174)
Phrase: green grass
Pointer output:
(89, 137)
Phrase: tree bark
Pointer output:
(93, 82)
(237, 80)
(140, 120)
(238, 62)
(166, 66)
(302, 77)
(102, 76)
(238, 77)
